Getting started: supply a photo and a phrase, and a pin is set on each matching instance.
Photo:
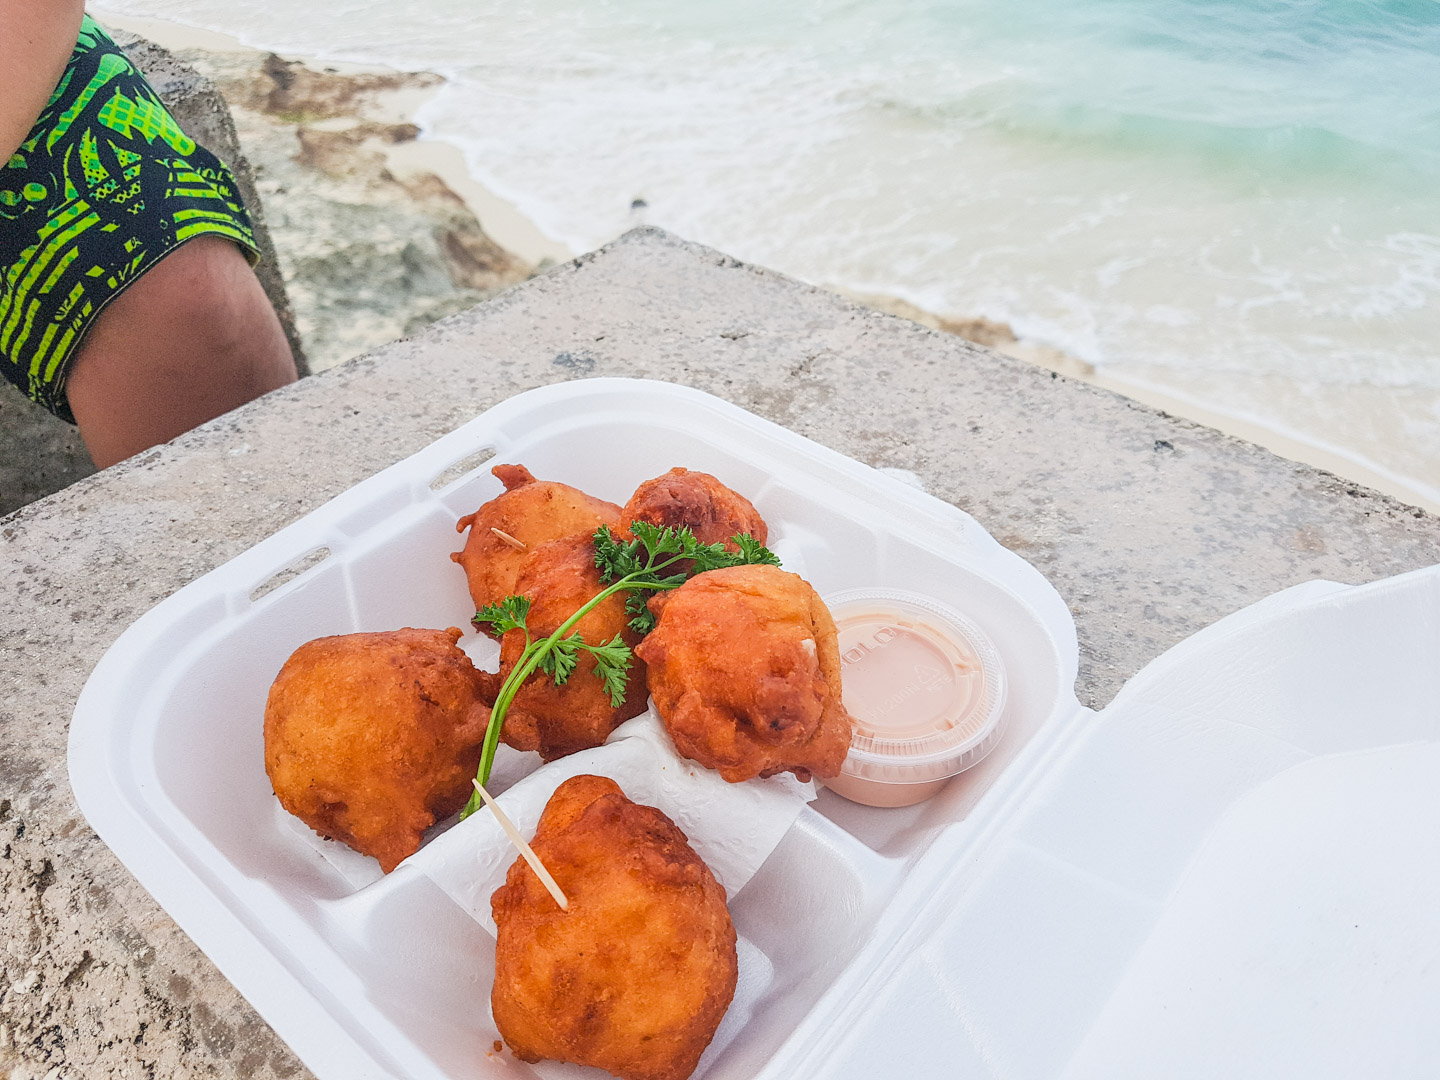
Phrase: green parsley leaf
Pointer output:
(658, 541)
(504, 615)
(612, 663)
(754, 553)
(612, 667)
(642, 620)
(614, 558)
(561, 658)
(707, 556)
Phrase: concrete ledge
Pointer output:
(40, 454)
(1150, 527)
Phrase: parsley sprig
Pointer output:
(656, 560)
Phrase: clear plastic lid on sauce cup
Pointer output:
(925, 688)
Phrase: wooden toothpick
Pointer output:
(525, 849)
(518, 545)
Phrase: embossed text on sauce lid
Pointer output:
(926, 691)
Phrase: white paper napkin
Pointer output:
(733, 827)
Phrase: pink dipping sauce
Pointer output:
(925, 688)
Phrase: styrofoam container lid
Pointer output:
(923, 684)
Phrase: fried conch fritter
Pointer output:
(530, 512)
(745, 673)
(559, 578)
(635, 977)
(696, 501)
(372, 738)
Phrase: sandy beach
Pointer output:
(382, 229)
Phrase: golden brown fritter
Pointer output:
(372, 738)
(559, 578)
(636, 975)
(696, 501)
(745, 672)
(531, 512)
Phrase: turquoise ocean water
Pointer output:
(1235, 202)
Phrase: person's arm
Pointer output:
(36, 39)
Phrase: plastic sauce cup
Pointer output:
(925, 688)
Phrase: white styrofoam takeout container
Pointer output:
(1232, 870)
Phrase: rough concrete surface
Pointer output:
(40, 453)
(1150, 527)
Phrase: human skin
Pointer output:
(36, 39)
(193, 338)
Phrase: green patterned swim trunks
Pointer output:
(103, 188)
